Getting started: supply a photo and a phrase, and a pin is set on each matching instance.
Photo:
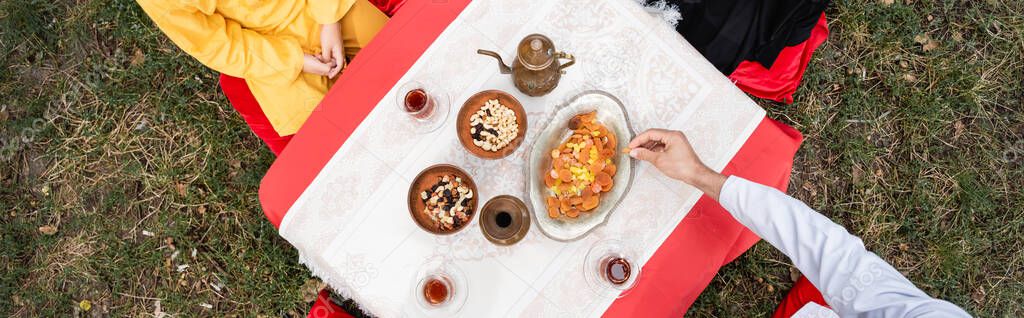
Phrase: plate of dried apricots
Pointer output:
(578, 172)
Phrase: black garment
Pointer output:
(728, 32)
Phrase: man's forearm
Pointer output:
(709, 182)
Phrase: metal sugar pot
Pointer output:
(536, 69)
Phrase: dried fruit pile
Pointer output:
(581, 168)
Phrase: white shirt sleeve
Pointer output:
(854, 281)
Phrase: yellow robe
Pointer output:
(263, 41)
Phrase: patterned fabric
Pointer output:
(351, 224)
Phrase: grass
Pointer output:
(122, 161)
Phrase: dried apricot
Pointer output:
(591, 203)
(610, 169)
(604, 179)
(565, 175)
(588, 117)
(553, 207)
(549, 181)
(596, 167)
(565, 188)
(612, 142)
(586, 193)
(553, 212)
(572, 212)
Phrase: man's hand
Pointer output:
(671, 153)
(314, 65)
(332, 47)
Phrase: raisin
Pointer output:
(479, 128)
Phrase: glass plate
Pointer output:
(612, 114)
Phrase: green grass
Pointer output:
(108, 130)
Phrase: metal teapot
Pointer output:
(536, 70)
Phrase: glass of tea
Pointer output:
(426, 106)
(441, 288)
(437, 290)
(612, 266)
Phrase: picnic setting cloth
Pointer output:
(338, 192)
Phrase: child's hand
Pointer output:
(332, 47)
(314, 65)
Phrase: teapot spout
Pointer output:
(505, 69)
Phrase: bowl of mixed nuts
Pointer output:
(491, 124)
(443, 199)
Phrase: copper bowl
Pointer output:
(474, 104)
(427, 178)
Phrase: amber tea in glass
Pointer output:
(616, 270)
(436, 291)
(419, 104)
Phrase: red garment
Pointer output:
(389, 7)
(245, 103)
(325, 308)
(802, 293)
(780, 82)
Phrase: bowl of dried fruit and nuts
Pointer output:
(491, 124)
(442, 199)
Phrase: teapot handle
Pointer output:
(563, 55)
(505, 69)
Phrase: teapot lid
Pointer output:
(536, 52)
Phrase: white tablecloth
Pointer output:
(352, 227)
